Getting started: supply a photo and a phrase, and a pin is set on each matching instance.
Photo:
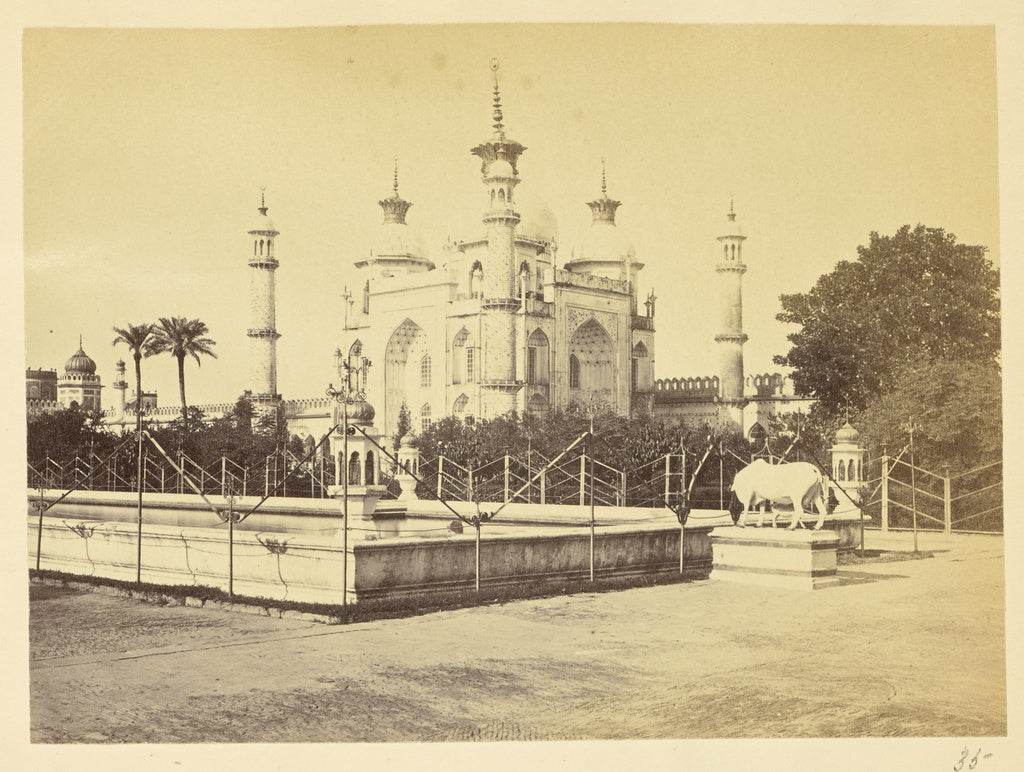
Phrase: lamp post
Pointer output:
(352, 371)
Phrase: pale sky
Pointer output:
(145, 152)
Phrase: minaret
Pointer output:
(499, 303)
(731, 338)
(262, 330)
(121, 385)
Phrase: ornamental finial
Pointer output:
(499, 127)
(396, 177)
(604, 183)
(732, 211)
(263, 200)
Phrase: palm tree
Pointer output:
(181, 337)
(140, 339)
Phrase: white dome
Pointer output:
(501, 168)
(604, 241)
(262, 223)
(398, 239)
(538, 222)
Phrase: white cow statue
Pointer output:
(799, 483)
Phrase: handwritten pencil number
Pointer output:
(958, 767)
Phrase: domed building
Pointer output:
(79, 385)
(498, 326)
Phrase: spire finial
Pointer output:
(604, 184)
(499, 127)
(80, 342)
(732, 210)
(396, 177)
(263, 200)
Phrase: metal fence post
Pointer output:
(506, 479)
(947, 501)
(583, 479)
(440, 475)
(885, 494)
(543, 486)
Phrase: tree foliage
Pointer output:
(181, 337)
(955, 408)
(915, 296)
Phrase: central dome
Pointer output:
(80, 363)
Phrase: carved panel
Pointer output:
(578, 316)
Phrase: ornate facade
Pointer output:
(497, 326)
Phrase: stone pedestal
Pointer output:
(362, 499)
(772, 557)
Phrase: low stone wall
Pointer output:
(408, 567)
(280, 566)
(308, 568)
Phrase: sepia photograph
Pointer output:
(601, 391)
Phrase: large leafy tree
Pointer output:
(915, 296)
(954, 407)
(181, 337)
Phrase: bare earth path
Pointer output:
(912, 648)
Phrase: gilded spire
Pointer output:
(604, 207)
(395, 206)
(499, 127)
(498, 146)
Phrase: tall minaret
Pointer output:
(121, 385)
(499, 303)
(262, 330)
(731, 338)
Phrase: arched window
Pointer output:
(537, 358)
(850, 475)
(425, 372)
(501, 196)
(425, 417)
(462, 359)
(459, 407)
(353, 468)
(470, 364)
(369, 476)
(270, 247)
(574, 372)
(841, 471)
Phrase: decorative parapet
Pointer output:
(589, 281)
(686, 389)
(36, 406)
(642, 323)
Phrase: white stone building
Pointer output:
(498, 326)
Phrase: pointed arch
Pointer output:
(538, 358)
(425, 372)
(459, 406)
(369, 475)
(463, 357)
(406, 341)
(537, 405)
(425, 417)
(594, 354)
(354, 468)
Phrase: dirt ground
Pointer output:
(913, 648)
